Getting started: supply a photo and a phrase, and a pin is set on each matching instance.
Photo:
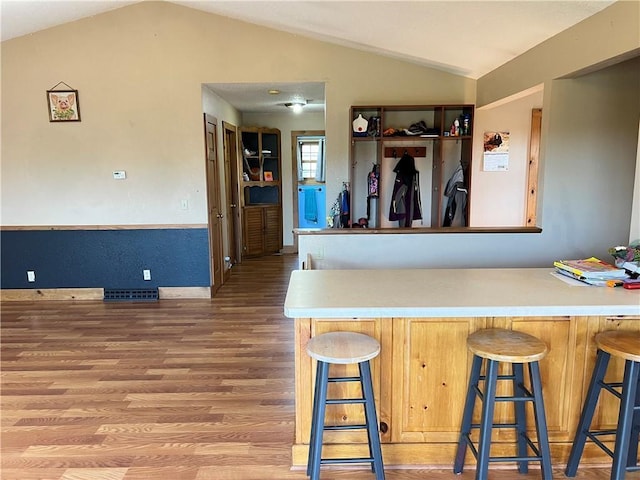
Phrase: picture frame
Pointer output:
(63, 105)
(268, 176)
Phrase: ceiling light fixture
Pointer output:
(274, 91)
(296, 106)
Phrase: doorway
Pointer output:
(213, 204)
(309, 192)
(231, 184)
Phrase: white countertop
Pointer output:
(494, 292)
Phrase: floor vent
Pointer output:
(131, 295)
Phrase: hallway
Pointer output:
(175, 390)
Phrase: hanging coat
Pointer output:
(405, 201)
(373, 180)
(456, 193)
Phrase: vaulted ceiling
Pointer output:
(468, 38)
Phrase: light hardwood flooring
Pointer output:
(173, 390)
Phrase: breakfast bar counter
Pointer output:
(422, 317)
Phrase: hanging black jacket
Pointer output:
(457, 197)
(405, 200)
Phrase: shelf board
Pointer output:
(263, 183)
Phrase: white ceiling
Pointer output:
(468, 38)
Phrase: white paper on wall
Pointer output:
(496, 152)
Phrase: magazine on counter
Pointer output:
(591, 268)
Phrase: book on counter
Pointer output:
(590, 268)
(598, 282)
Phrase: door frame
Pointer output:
(232, 194)
(214, 228)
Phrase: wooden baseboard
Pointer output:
(184, 292)
(441, 455)
(289, 249)
(31, 294)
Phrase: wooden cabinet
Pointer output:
(421, 377)
(430, 387)
(261, 188)
(262, 230)
(438, 137)
(344, 414)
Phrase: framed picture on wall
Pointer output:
(64, 105)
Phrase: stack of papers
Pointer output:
(592, 271)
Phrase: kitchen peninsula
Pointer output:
(422, 317)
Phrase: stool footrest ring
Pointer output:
(335, 461)
(343, 379)
(349, 401)
(344, 427)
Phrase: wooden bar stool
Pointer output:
(516, 348)
(625, 345)
(343, 348)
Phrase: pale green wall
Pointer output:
(601, 39)
(591, 152)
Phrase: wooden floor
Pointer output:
(173, 390)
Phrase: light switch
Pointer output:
(119, 175)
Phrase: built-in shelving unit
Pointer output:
(438, 137)
(261, 188)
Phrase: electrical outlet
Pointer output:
(31, 276)
(119, 175)
(146, 274)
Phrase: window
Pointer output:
(311, 159)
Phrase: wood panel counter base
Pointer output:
(441, 455)
(420, 377)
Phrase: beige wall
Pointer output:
(498, 199)
(139, 71)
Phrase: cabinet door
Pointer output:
(606, 414)
(560, 371)
(253, 235)
(380, 329)
(431, 370)
(272, 229)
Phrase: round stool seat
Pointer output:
(506, 346)
(343, 347)
(620, 344)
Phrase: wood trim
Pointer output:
(416, 230)
(30, 294)
(289, 249)
(393, 152)
(8, 228)
(167, 293)
(534, 160)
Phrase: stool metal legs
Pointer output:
(541, 421)
(371, 419)
(488, 397)
(320, 401)
(626, 444)
(317, 420)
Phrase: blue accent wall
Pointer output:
(105, 258)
